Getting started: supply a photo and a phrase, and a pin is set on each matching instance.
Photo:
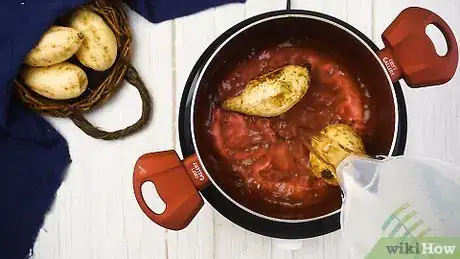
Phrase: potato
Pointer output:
(59, 82)
(99, 48)
(56, 45)
(272, 94)
(331, 146)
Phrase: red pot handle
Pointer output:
(177, 182)
(410, 54)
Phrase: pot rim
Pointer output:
(277, 15)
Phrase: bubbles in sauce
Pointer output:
(267, 159)
(264, 55)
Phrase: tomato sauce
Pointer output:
(269, 157)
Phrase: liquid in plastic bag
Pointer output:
(400, 199)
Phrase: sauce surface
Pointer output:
(268, 158)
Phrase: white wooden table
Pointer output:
(95, 214)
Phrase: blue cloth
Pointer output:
(161, 10)
(33, 155)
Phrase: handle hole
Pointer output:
(438, 39)
(151, 197)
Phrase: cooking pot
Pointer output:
(409, 54)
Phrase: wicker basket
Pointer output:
(101, 85)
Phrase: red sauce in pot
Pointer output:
(269, 157)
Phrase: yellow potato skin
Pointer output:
(332, 145)
(59, 82)
(99, 48)
(272, 94)
(56, 45)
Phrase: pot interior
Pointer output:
(340, 65)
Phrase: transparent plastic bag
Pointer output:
(397, 197)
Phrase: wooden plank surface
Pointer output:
(95, 214)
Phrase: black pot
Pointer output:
(177, 181)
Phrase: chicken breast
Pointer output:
(272, 94)
(331, 146)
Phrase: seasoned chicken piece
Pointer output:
(272, 94)
(331, 146)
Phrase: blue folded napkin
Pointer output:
(33, 155)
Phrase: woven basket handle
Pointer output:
(133, 78)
